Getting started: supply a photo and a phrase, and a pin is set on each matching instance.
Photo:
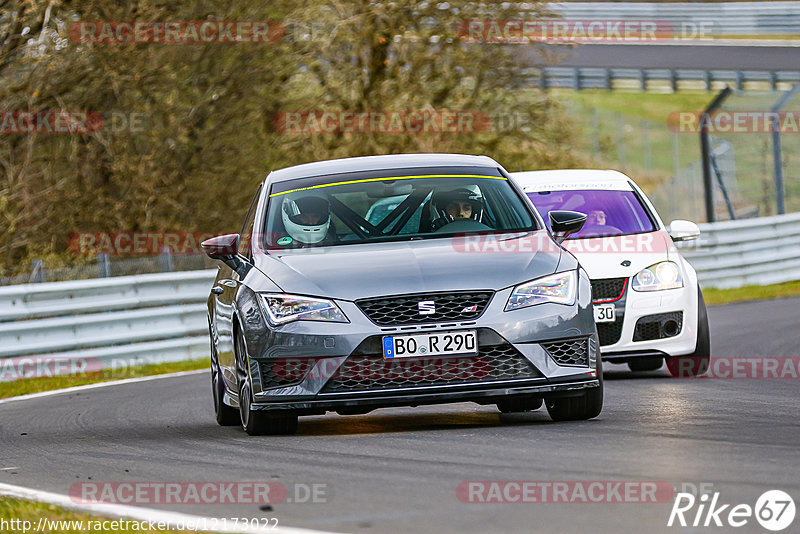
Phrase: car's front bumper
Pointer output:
(481, 393)
(321, 350)
(654, 306)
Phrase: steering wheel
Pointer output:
(463, 225)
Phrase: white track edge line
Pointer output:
(100, 385)
(172, 519)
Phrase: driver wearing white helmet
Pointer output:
(306, 217)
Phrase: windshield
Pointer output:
(360, 208)
(608, 213)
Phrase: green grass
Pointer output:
(36, 385)
(23, 510)
(715, 297)
(655, 107)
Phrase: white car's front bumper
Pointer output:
(638, 306)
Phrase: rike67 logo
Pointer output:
(774, 510)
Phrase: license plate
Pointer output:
(431, 344)
(604, 313)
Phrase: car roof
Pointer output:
(374, 163)
(572, 179)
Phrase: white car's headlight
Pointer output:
(664, 275)
(283, 309)
(559, 288)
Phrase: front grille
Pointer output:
(658, 326)
(569, 352)
(404, 309)
(608, 289)
(284, 372)
(609, 333)
(373, 371)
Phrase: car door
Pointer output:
(226, 287)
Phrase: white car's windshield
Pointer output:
(608, 213)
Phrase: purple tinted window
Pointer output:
(607, 212)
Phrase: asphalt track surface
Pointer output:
(396, 470)
(667, 56)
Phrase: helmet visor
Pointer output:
(308, 211)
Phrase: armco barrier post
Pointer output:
(167, 264)
(103, 265)
(37, 272)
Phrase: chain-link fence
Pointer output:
(762, 132)
(750, 132)
(662, 161)
(105, 265)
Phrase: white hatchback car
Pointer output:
(647, 302)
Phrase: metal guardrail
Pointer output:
(688, 20)
(725, 18)
(103, 323)
(578, 78)
(758, 251)
(130, 320)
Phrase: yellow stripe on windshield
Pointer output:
(390, 178)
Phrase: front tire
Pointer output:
(698, 362)
(225, 415)
(586, 406)
(255, 422)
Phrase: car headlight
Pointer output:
(664, 275)
(282, 309)
(559, 288)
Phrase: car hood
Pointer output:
(350, 272)
(605, 257)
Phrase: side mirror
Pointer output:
(680, 230)
(223, 248)
(563, 223)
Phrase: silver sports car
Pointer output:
(400, 280)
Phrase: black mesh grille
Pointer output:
(607, 288)
(569, 352)
(657, 327)
(372, 371)
(609, 333)
(284, 371)
(404, 309)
